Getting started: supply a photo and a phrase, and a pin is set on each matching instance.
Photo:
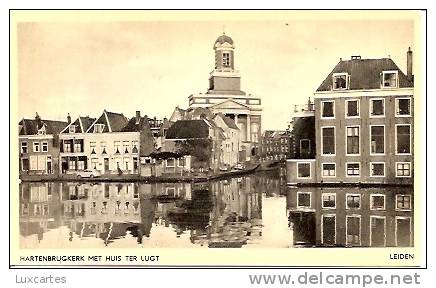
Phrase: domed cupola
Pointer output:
(224, 53)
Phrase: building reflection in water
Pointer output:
(257, 210)
(349, 217)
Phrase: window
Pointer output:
(23, 147)
(117, 147)
(44, 146)
(94, 163)
(377, 169)
(42, 130)
(352, 140)
(304, 199)
(135, 146)
(403, 202)
(352, 108)
(328, 200)
(377, 138)
(328, 109)
(403, 169)
(328, 140)
(81, 165)
(35, 146)
(67, 146)
(403, 138)
(303, 170)
(98, 128)
(390, 79)
(353, 230)
(181, 162)
(126, 163)
(72, 129)
(340, 81)
(353, 169)
(377, 202)
(402, 107)
(328, 169)
(226, 59)
(103, 147)
(92, 146)
(377, 107)
(126, 146)
(78, 146)
(353, 201)
(71, 164)
(170, 162)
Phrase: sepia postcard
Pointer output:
(217, 138)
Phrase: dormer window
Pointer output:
(340, 81)
(98, 128)
(72, 129)
(390, 79)
(42, 130)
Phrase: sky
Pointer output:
(81, 68)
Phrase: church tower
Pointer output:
(224, 95)
(224, 79)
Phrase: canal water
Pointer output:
(252, 211)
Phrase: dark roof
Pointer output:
(188, 129)
(134, 126)
(224, 38)
(86, 122)
(31, 126)
(229, 121)
(364, 74)
(117, 121)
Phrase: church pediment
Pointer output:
(230, 104)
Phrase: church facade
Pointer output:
(225, 96)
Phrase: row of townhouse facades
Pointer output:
(360, 127)
(114, 144)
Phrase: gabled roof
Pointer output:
(188, 129)
(31, 126)
(364, 74)
(137, 126)
(82, 124)
(228, 121)
(114, 122)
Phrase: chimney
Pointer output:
(138, 116)
(68, 118)
(410, 64)
(37, 118)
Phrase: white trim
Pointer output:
(347, 83)
(310, 169)
(408, 91)
(299, 160)
(322, 170)
(370, 228)
(166, 163)
(322, 226)
(322, 140)
(360, 227)
(403, 209)
(370, 108)
(410, 169)
(410, 139)
(39, 147)
(322, 200)
(310, 199)
(396, 228)
(353, 194)
(322, 109)
(107, 121)
(377, 176)
(92, 125)
(21, 147)
(382, 84)
(346, 109)
(42, 144)
(410, 107)
(353, 176)
(371, 202)
(384, 140)
(346, 138)
(36, 137)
